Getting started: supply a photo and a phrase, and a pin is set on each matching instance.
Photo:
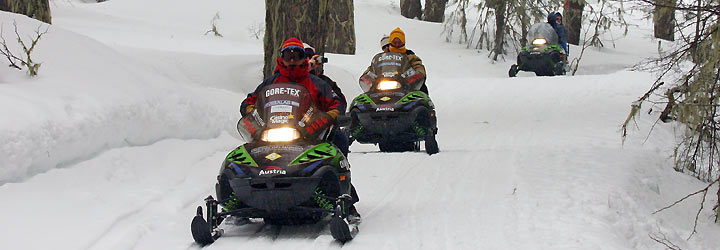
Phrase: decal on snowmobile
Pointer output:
(387, 94)
(408, 73)
(273, 156)
(320, 152)
(282, 91)
(364, 99)
(248, 125)
(389, 74)
(272, 170)
(241, 156)
(413, 96)
(265, 149)
(316, 125)
(281, 109)
(390, 57)
(279, 119)
(385, 99)
(256, 115)
(384, 108)
(281, 102)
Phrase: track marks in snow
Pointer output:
(117, 197)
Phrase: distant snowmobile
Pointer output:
(287, 173)
(393, 112)
(543, 54)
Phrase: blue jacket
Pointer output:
(559, 29)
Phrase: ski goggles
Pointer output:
(309, 52)
(293, 54)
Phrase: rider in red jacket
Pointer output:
(293, 67)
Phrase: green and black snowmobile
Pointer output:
(393, 112)
(543, 54)
(287, 173)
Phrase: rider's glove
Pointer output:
(333, 113)
(249, 109)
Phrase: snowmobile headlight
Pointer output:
(280, 135)
(539, 41)
(388, 85)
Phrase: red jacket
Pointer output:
(320, 91)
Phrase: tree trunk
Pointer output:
(411, 9)
(664, 19)
(524, 21)
(572, 19)
(434, 11)
(717, 206)
(341, 28)
(304, 19)
(38, 9)
(500, 8)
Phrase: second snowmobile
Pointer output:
(393, 112)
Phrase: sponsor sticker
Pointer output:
(384, 108)
(273, 156)
(248, 125)
(383, 64)
(279, 119)
(282, 91)
(274, 148)
(409, 72)
(316, 125)
(389, 74)
(399, 94)
(257, 118)
(281, 102)
(385, 99)
(281, 108)
(310, 112)
(390, 57)
(272, 170)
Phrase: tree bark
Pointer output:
(664, 20)
(500, 8)
(434, 10)
(524, 21)
(341, 28)
(411, 9)
(303, 19)
(717, 208)
(572, 19)
(38, 9)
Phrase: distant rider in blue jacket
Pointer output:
(555, 20)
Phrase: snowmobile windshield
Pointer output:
(285, 108)
(282, 105)
(391, 66)
(540, 31)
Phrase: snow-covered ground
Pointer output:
(121, 135)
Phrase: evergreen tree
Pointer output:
(38, 9)
(689, 79)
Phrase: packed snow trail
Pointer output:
(525, 163)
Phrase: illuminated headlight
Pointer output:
(539, 41)
(388, 85)
(280, 134)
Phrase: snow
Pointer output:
(120, 136)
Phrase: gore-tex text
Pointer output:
(282, 91)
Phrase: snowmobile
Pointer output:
(543, 53)
(392, 111)
(287, 173)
